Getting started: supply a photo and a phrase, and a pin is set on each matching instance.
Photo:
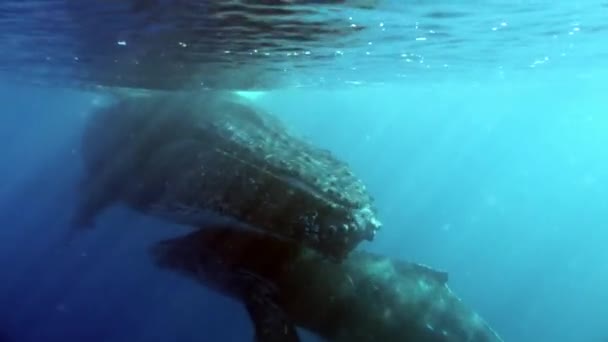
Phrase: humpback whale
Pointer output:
(367, 297)
(183, 156)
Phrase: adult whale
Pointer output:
(183, 156)
(365, 298)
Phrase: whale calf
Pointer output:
(283, 285)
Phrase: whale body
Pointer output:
(367, 297)
(183, 156)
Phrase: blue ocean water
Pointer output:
(495, 171)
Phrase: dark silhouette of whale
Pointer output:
(184, 156)
(367, 297)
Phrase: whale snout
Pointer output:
(367, 222)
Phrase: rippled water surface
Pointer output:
(165, 44)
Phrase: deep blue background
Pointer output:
(501, 184)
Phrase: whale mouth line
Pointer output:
(187, 215)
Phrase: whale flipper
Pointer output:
(270, 322)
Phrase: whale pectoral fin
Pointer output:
(269, 320)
